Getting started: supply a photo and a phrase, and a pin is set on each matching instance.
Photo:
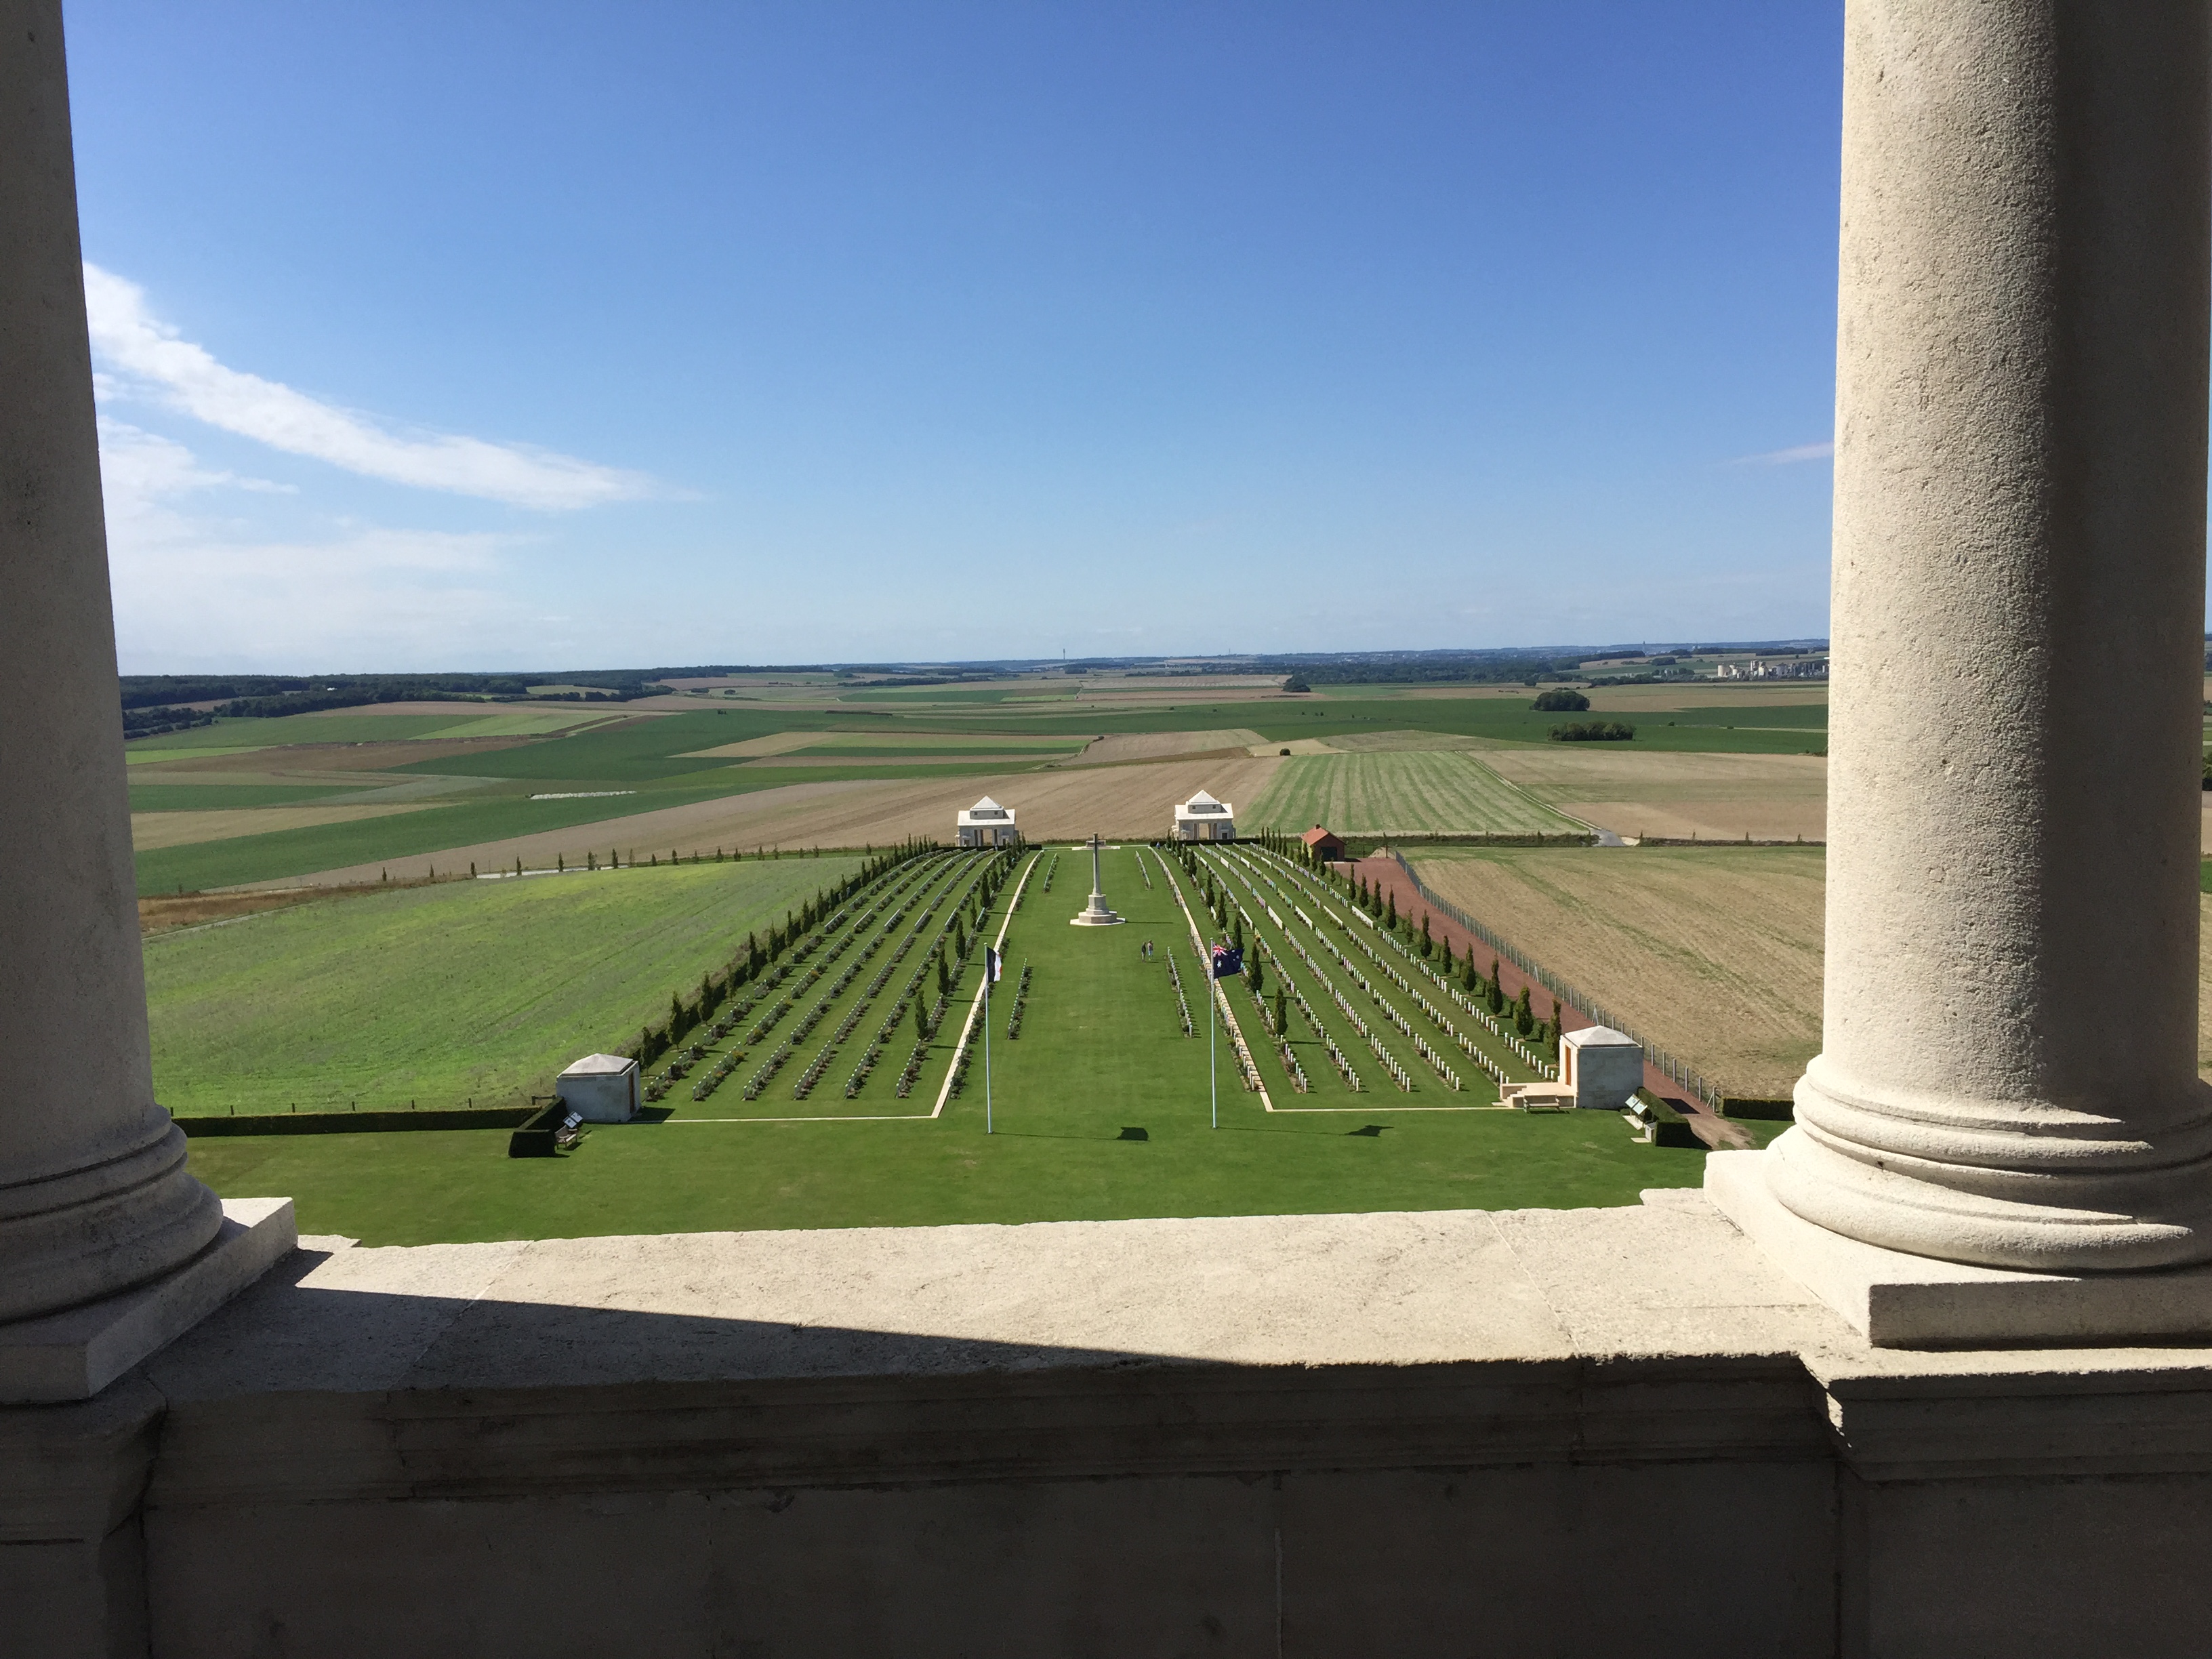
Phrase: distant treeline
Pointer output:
(149, 701)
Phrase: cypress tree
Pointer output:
(920, 1020)
(1390, 912)
(944, 978)
(1426, 946)
(1524, 1016)
(1282, 1017)
(1448, 958)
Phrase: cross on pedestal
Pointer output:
(1096, 914)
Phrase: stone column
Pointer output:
(93, 1194)
(2009, 1075)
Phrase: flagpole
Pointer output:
(987, 966)
(1213, 1019)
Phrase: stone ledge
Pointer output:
(1087, 1350)
(1899, 1301)
(76, 1354)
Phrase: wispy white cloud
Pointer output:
(142, 357)
(196, 586)
(137, 465)
(1785, 457)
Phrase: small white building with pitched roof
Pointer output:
(1204, 818)
(1603, 1066)
(987, 823)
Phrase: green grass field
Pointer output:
(482, 989)
(1101, 1106)
(1750, 729)
(219, 797)
(1434, 792)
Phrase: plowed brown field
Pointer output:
(1714, 953)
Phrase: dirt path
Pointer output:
(1383, 872)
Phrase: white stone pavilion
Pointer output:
(986, 824)
(1204, 818)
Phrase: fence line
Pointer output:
(1684, 1077)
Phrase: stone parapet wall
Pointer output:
(1417, 1433)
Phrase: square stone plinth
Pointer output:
(74, 1354)
(1899, 1301)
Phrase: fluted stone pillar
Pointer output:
(2008, 1069)
(93, 1193)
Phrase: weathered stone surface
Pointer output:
(74, 1354)
(1899, 1301)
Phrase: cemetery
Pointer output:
(851, 1067)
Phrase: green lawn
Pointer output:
(1101, 1109)
(482, 989)
(1406, 792)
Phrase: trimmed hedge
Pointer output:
(1770, 1111)
(344, 1123)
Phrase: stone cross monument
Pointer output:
(1096, 914)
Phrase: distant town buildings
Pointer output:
(1204, 818)
(1774, 668)
(987, 823)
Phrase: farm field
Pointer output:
(1407, 792)
(169, 826)
(501, 774)
(1675, 796)
(1714, 952)
(792, 810)
(1160, 745)
(439, 993)
(1100, 1105)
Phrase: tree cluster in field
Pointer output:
(1592, 732)
(1560, 701)
(153, 722)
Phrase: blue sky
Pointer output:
(501, 334)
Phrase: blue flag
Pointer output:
(1228, 962)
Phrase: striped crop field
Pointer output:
(1411, 792)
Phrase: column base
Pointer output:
(74, 1354)
(1899, 1301)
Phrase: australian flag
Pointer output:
(1228, 962)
